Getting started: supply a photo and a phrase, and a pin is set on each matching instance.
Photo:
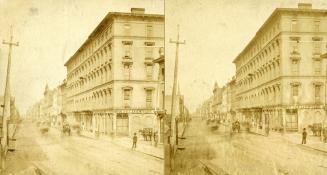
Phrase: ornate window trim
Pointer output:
(317, 83)
(127, 42)
(317, 38)
(127, 88)
(295, 83)
(149, 43)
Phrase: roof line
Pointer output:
(109, 16)
(275, 13)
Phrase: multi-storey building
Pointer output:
(51, 107)
(46, 104)
(58, 104)
(231, 100)
(111, 87)
(223, 102)
(280, 75)
(222, 108)
(207, 108)
(216, 100)
(62, 99)
(33, 111)
(180, 118)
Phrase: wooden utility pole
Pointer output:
(173, 125)
(7, 98)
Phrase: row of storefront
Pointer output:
(278, 118)
(118, 122)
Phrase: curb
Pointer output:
(150, 155)
(310, 147)
(306, 146)
(212, 170)
(255, 133)
(117, 144)
(41, 170)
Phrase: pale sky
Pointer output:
(49, 32)
(216, 31)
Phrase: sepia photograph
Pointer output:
(82, 87)
(246, 87)
(163, 87)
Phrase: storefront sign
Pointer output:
(134, 111)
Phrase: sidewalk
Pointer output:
(145, 147)
(313, 142)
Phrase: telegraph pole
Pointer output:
(7, 97)
(173, 105)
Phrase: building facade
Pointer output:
(280, 76)
(58, 104)
(206, 110)
(111, 87)
(222, 108)
(46, 104)
(231, 100)
(50, 107)
(33, 111)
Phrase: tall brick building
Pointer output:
(111, 79)
(280, 75)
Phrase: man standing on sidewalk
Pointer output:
(304, 136)
(134, 141)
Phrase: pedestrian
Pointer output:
(134, 141)
(304, 136)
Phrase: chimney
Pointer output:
(137, 10)
(303, 5)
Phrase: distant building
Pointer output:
(34, 111)
(207, 110)
(180, 117)
(216, 101)
(231, 100)
(280, 76)
(46, 104)
(222, 108)
(111, 87)
(58, 105)
(51, 106)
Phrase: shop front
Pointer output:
(291, 120)
(122, 124)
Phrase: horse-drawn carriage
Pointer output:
(66, 129)
(316, 129)
(147, 133)
(43, 126)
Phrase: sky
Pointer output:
(49, 32)
(215, 31)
